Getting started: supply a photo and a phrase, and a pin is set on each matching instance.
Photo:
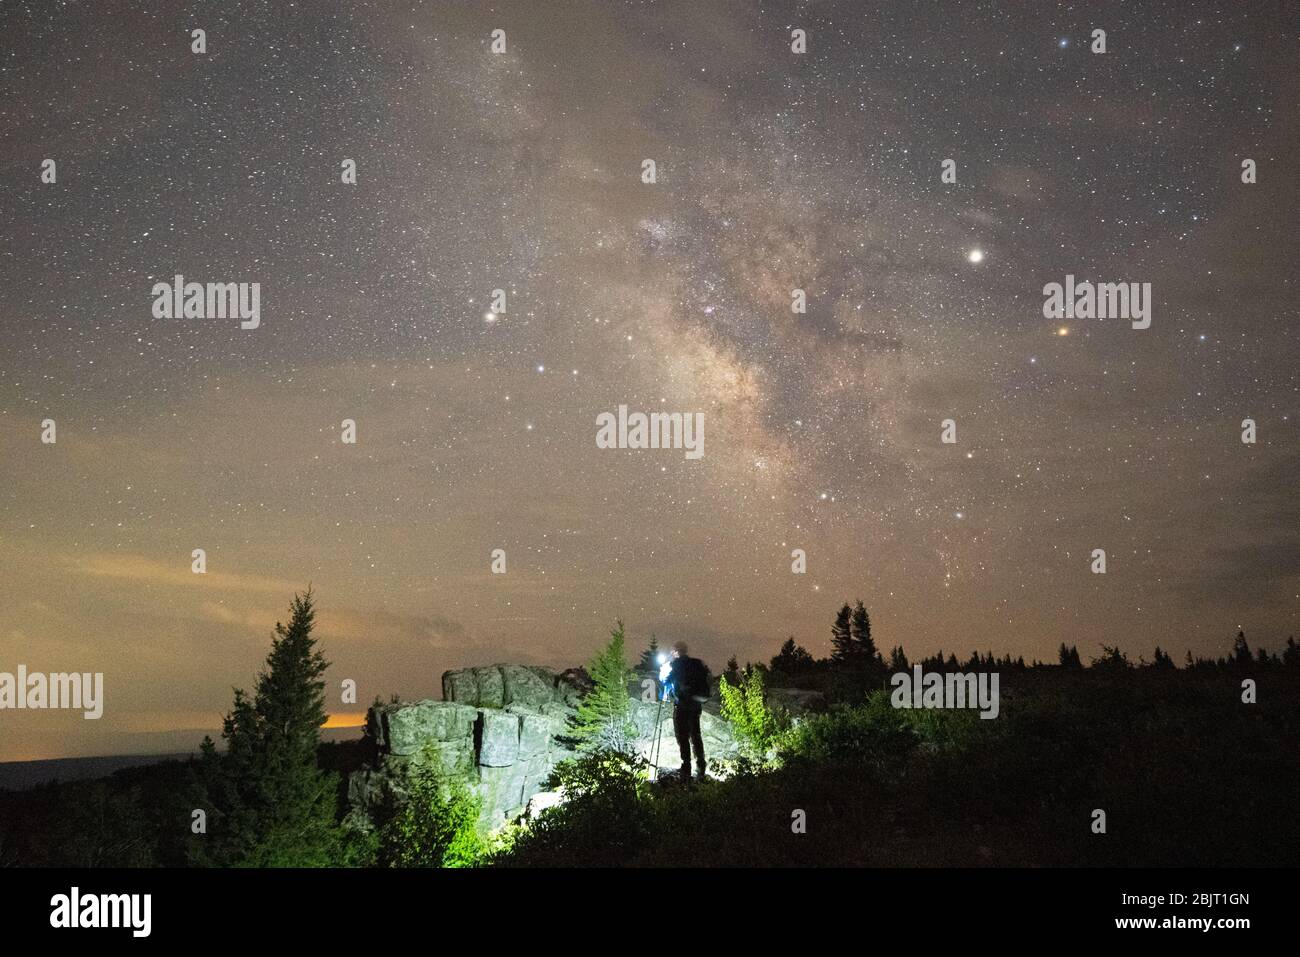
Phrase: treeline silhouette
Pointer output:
(854, 655)
(1190, 770)
(1195, 766)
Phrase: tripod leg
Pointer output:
(657, 741)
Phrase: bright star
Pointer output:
(976, 255)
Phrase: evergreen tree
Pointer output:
(272, 806)
(604, 720)
(1162, 661)
(732, 674)
(1291, 656)
(842, 636)
(650, 658)
(1069, 657)
(1111, 659)
(860, 626)
(1240, 650)
(792, 659)
(898, 660)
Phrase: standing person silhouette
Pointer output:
(688, 679)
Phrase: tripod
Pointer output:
(657, 741)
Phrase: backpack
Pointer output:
(695, 681)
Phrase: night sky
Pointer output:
(522, 171)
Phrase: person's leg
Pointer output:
(682, 729)
(697, 740)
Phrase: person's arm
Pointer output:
(674, 678)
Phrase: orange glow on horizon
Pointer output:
(347, 719)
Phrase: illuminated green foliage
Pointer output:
(603, 720)
(756, 726)
(435, 826)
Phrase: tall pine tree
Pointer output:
(1240, 650)
(842, 636)
(860, 626)
(272, 806)
(604, 720)
(649, 662)
(1069, 657)
(1291, 656)
(793, 659)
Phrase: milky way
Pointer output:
(522, 171)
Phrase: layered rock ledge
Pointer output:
(500, 730)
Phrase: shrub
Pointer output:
(874, 736)
(757, 727)
(605, 818)
(435, 826)
(945, 729)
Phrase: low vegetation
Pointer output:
(1189, 766)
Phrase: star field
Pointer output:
(521, 171)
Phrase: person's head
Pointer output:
(679, 649)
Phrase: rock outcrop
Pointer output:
(500, 730)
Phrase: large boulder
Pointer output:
(498, 686)
(451, 759)
(536, 770)
(476, 687)
(498, 734)
(525, 686)
(501, 791)
(573, 683)
(491, 687)
(501, 730)
(535, 733)
(460, 686)
(495, 686)
(405, 728)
